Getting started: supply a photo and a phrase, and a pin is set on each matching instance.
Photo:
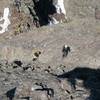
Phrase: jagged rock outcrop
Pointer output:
(37, 13)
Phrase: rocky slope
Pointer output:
(49, 76)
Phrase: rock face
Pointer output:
(22, 15)
(60, 13)
(18, 84)
(33, 13)
(58, 62)
(42, 13)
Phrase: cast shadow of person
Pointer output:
(43, 9)
(90, 77)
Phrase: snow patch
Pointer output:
(60, 9)
(7, 22)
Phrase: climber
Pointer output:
(66, 49)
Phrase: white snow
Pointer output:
(60, 9)
(7, 22)
(53, 21)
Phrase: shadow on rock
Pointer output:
(90, 78)
(43, 9)
(11, 93)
